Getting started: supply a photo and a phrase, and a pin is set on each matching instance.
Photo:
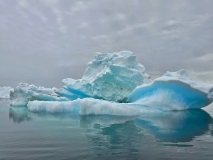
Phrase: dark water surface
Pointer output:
(172, 135)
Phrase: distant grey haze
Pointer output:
(44, 41)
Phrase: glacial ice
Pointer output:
(173, 91)
(108, 76)
(116, 84)
(5, 92)
(24, 93)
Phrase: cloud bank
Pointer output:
(45, 41)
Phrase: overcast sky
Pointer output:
(44, 41)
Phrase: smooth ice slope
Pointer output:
(174, 90)
(24, 93)
(109, 76)
(5, 92)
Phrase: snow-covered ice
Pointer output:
(5, 92)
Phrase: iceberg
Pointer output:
(109, 76)
(24, 93)
(173, 91)
(5, 92)
(116, 84)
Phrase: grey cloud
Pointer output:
(44, 41)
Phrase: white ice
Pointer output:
(5, 92)
(91, 106)
(24, 93)
(109, 76)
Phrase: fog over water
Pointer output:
(44, 41)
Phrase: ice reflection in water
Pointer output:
(174, 126)
(70, 136)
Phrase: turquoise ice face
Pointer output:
(173, 91)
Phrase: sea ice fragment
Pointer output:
(5, 92)
(24, 93)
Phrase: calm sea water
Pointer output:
(172, 135)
